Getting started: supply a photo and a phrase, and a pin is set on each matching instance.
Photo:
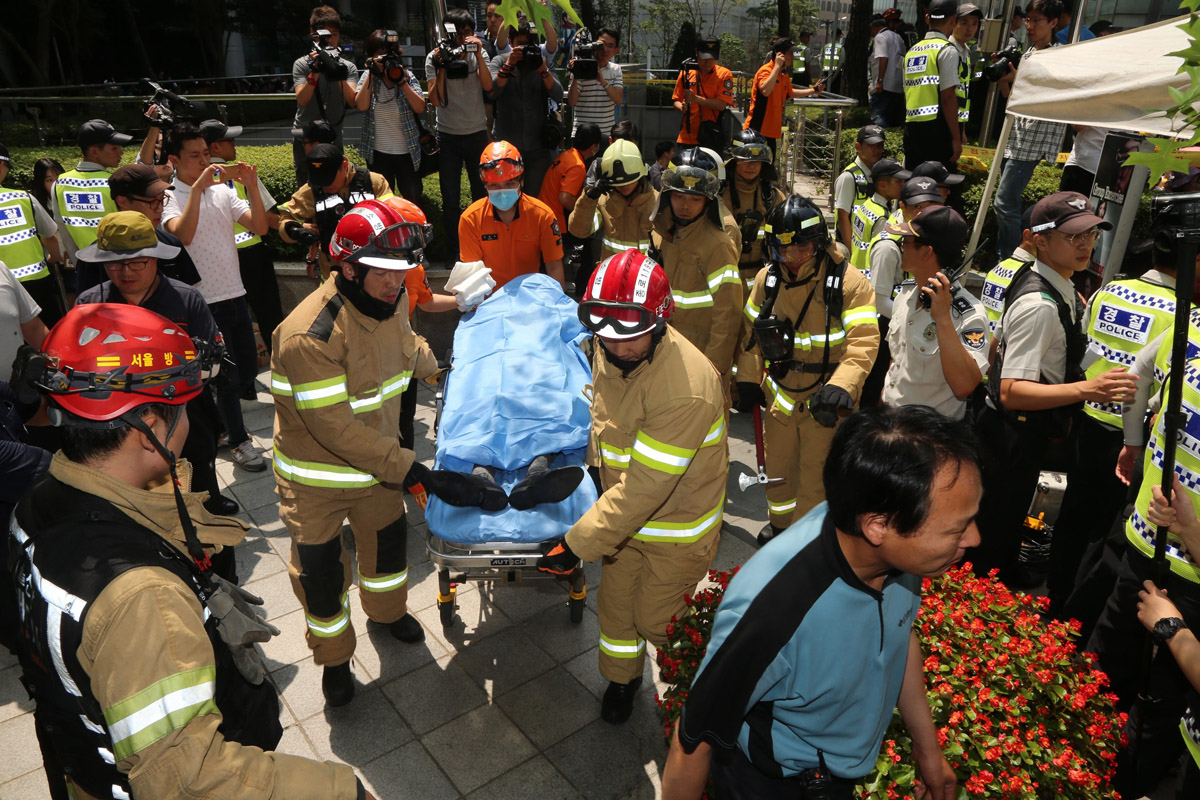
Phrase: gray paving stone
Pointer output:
(382, 657)
(256, 559)
(495, 746)
(503, 662)
(407, 772)
(276, 592)
(295, 743)
(289, 646)
(550, 708)
(14, 700)
(537, 777)
(553, 632)
(30, 786)
(254, 492)
(434, 694)
(603, 761)
(476, 618)
(359, 732)
(19, 751)
(300, 686)
(521, 600)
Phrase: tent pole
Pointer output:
(990, 186)
(1077, 20)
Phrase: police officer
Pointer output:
(699, 258)
(939, 335)
(1000, 276)
(815, 339)
(931, 127)
(340, 363)
(831, 59)
(81, 196)
(852, 187)
(867, 221)
(620, 204)
(29, 246)
(151, 682)
(1037, 385)
(334, 187)
(965, 30)
(659, 441)
(801, 72)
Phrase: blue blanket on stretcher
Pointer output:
(516, 391)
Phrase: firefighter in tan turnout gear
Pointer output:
(620, 203)
(699, 258)
(815, 338)
(659, 441)
(340, 363)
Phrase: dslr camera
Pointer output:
(325, 59)
(171, 107)
(586, 68)
(388, 63)
(999, 66)
(452, 56)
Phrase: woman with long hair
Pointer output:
(45, 173)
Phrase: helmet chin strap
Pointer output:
(134, 419)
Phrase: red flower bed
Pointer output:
(1019, 712)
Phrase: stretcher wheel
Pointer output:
(578, 597)
(446, 611)
(445, 598)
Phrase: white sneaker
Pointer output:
(247, 456)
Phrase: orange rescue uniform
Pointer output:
(416, 286)
(766, 111)
(521, 247)
(566, 174)
(716, 84)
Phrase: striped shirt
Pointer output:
(395, 128)
(595, 106)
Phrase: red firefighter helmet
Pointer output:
(104, 359)
(373, 234)
(628, 295)
(500, 162)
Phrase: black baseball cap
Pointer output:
(708, 47)
(870, 134)
(940, 225)
(920, 189)
(967, 9)
(136, 180)
(1068, 212)
(781, 44)
(943, 9)
(213, 130)
(324, 161)
(937, 170)
(4, 153)
(316, 130)
(889, 168)
(97, 131)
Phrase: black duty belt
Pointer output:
(811, 368)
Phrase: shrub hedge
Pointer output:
(274, 170)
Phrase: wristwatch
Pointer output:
(1166, 628)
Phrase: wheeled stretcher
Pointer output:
(516, 391)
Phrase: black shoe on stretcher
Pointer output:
(460, 489)
(545, 486)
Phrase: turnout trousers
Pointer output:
(641, 587)
(795, 450)
(320, 567)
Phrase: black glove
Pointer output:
(301, 234)
(826, 402)
(749, 396)
(601, 186)
(558, 558)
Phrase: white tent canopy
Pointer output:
(1109, 82)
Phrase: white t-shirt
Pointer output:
(1085, 153)
(595, 106)
(212, 247)
(889, 45)
(389, 133)
(16, 309)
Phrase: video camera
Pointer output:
(172, 108)
(325, 59)
(586, 67)
(1000, 61)
(452, 56)
(388, 63)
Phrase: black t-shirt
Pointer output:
(180, 267)
(176, 301)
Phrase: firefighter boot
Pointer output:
(407, 629)
(768, 533)
(617, 705)
(337, 685)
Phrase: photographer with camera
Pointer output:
(324, 82)
(1031, 139)
(703, 92)
(597, 85)
(457, 74)
(391, 96)
(840, 590)
(523, 85)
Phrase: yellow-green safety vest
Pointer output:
(921, 100)
(83, 200)
(895, 218)
(20, 247)
(1123, 317)
(862, 230)
(862, 185)
(963, 90)
(1139, 530)
(831, 56)
(242, 237)
(995, 285)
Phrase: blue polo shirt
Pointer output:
(803, 656)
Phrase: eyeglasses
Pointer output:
(133, 265)
(1083, 238)
(1035, 20)
(156, 202)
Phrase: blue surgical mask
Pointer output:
(504, 199)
